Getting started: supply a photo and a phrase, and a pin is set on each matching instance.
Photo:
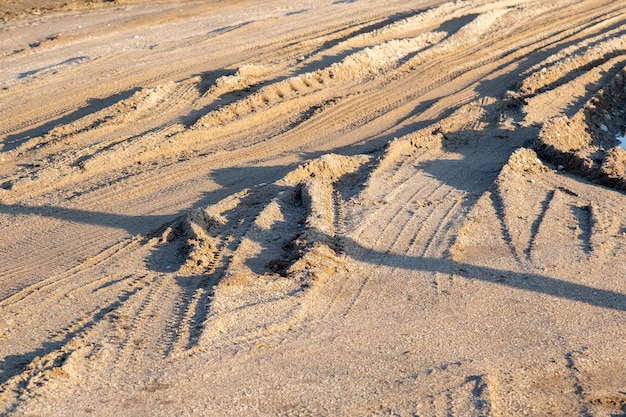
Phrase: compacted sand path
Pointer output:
(340, 208)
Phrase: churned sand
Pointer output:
(313, 208)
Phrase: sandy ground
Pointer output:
(314, 208)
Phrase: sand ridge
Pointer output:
(324, 208)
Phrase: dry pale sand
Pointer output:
(314, 208)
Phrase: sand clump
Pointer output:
(584, 143)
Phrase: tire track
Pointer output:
(166, 317)
(354, 284)
(323, 121)
(438, 241)
(339, 223)
(139, 319)
(339, 121)
(37, 370)
(380, 245)
(192, 322)
(422, 221)
(49, 284)
(80, 98)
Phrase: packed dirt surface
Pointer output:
(314, 208)
(20, 9)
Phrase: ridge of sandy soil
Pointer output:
(346, 208)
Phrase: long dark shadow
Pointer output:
(15, 140)
(520, 280)
(132, 224)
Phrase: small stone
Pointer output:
(560, 167)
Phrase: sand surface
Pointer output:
(313, 208)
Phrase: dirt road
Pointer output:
(341, 208)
